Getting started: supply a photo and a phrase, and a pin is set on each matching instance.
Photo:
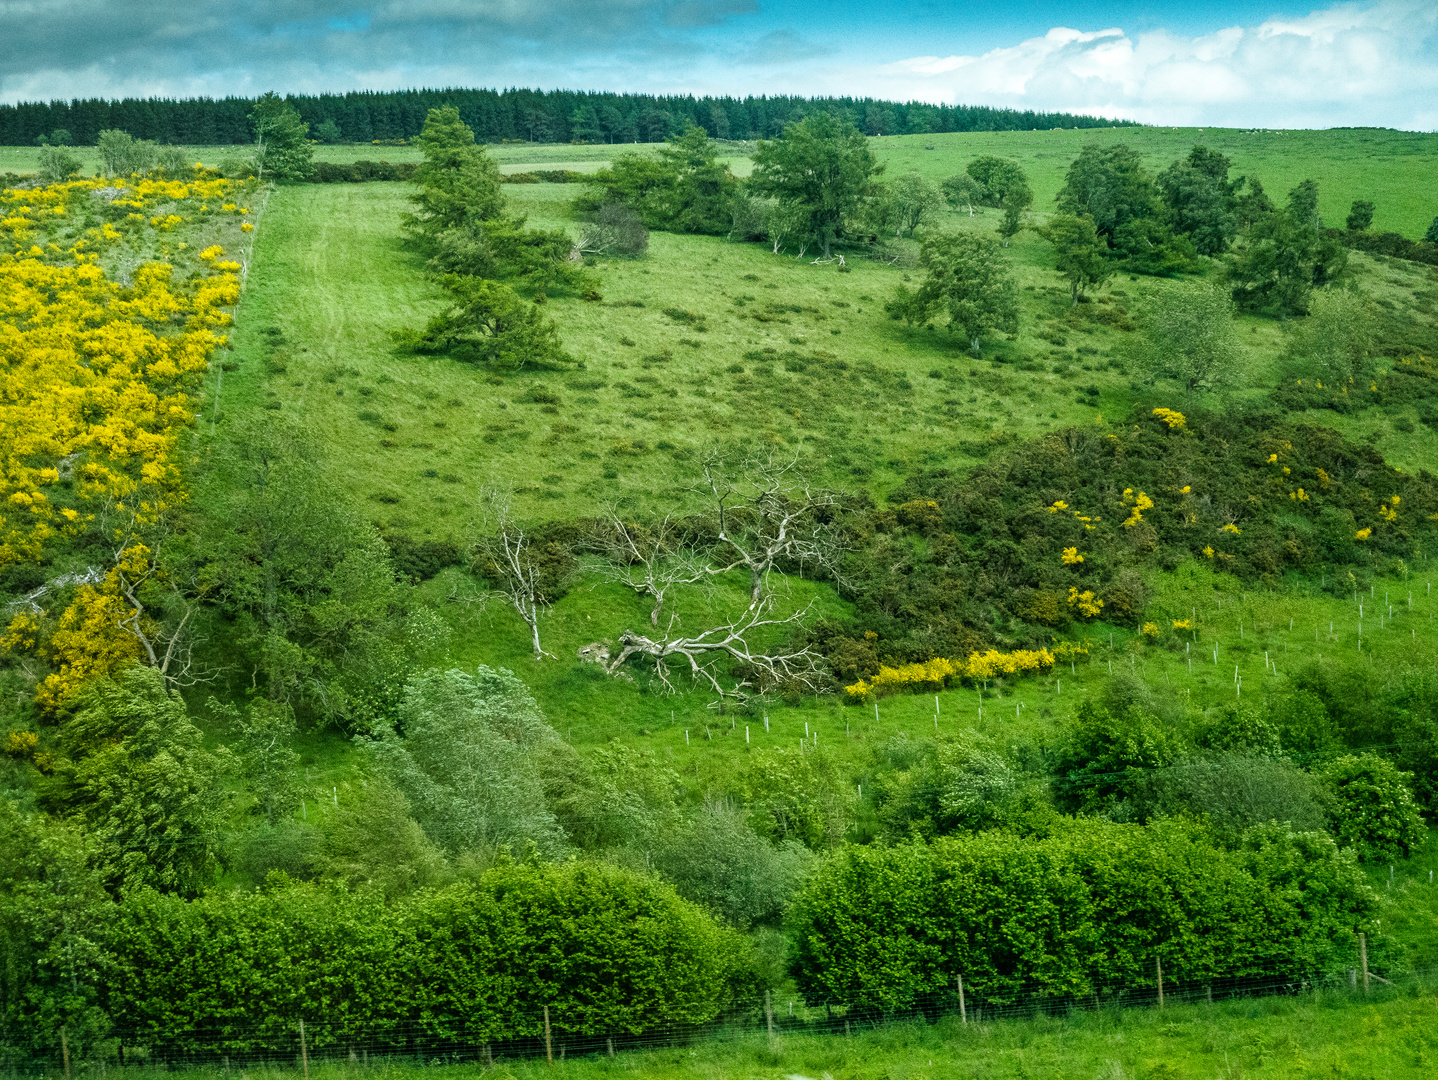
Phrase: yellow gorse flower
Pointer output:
(940, 671)
(1174, 420)
(1071, 556)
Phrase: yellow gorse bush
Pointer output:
(1174, 420)
(96, 387)
(941, 672)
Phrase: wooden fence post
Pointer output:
(548, 1044)
(65, 1051)
(1158, 966)
(769, 1012)
(304, 1052)
(963, 1009)
(1363, 958)
(609, 1041)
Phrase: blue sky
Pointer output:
(1224, 63)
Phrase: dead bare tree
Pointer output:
(767, 514)
(650, 560)
(506, 556)
(702, 651)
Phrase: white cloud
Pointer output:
(1348, 64)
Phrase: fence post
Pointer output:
(1158, 966)
(304, 1052)
(65, 1051)
(548, 1045)
(963, 1010)
(1363, 958)
(609, 1042)
(769, 1012)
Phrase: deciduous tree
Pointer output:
(823, 168)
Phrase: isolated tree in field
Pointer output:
(1190, 337)
(1002, 180)
(466, 751)
(653, 560)
(823, 168)
(969, 280)
(765, 518)
(282, 146)
(487, 322)
(616, 231)
(1080, 254)
(963, 191)
(908, 201)
(1012, 223)
(519, 572)
(1360, 216)
(57, 164)
(1334, 341)
(120, 155)
(458, 183)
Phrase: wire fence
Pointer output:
(327, 1037)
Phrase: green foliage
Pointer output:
(458, 183)
(1109, 184)
(969, 281)
(1372, 806)
(1080, 253)
(905, 203)
(1360, 217)
(684, 188)
(1190, 337)
(1084, 911)
(801, 796)
(265, 736)
(54, 919)
(716, 860)
(823, 169)
(282, 146)
(1200, 200)
(373, 843)
(964, 784)
(1234, 793)
(1001, 181)
(1282, 257)
(135, 775)
(327, 131)
(307, 584)
(57, 165)
(962, 191)
(465, 750)
(1333, 343)
(489, 323)
(1111, 749)
(607, 951)
(120, 155)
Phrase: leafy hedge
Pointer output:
(608, 951)
(1087, 911)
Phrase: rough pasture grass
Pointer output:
(333, 273)
(1387, 1035)
(1394, 169)
(702, 342)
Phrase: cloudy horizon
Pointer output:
(1217, 64)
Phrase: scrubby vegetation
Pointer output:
(826, 579)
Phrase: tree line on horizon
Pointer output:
(556, 116)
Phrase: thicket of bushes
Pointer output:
(1084, 911)
(956, 563)
(608, 951)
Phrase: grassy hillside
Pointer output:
(1390, 168)
(674, 359)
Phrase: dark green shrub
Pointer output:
(1372, 807)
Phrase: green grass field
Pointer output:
(1386, 1035)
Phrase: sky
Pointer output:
(1221, 63)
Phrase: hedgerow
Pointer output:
(1084, 912)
